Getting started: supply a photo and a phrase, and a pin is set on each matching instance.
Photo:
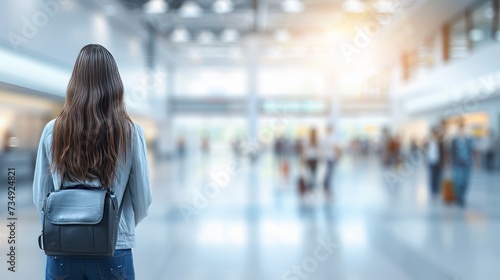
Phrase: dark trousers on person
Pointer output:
(490, 160)
(330, 168)
(120, 266)
(435, 172)
(461, 177)
(313, 166)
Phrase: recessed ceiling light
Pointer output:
(384, 6)
(354, 6)
(180, 35)
(155, 7)
(292, 6)
(476, 35)
(489, 13)
(190, 9)
(223, 6)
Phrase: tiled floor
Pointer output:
(255, 227)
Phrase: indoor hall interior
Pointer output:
(286, 139)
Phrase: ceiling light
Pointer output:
(476, 35)
(354, 6)
(489, 13)
(206, 37)
(180, 35)
(155, 7)
(292, 6)
(384, 6)
(223, 6)
(230, 35)
(282, 35)
(190, 9)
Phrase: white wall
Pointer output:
(459, 87)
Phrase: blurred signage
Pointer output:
(208, 105)
(239, 105)
(295, 106)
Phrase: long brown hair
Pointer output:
(93, 127)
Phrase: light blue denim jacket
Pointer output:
(132, 183)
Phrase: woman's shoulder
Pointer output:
(49, 127)
(137, 131)
(137, 128)
(50, 123)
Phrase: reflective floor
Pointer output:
(256, 226)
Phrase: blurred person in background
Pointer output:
(93, 142)
(356, 147)
(393, 150)
(414, 147)
(435, 161)
(311, 155)
(181, 146)
(487, 150)
(462, 160)
(365, 147)
(285, 156)
(332, 152)
(205, 144)
(278, 146)
(384, 146)
(298, 146)
(279, 153)
(481, 144)
(496, 153)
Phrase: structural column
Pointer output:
(165, 135)
(252, 88)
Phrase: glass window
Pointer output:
(482, 25)
(291, 81)
(427, 53)
(425, 58)
(496, 19)
(211, 81)
(458, 39)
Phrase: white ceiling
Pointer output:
(316, 34)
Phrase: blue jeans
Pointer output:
(461, 177)
(435, 171)
(330, 168)
(120, 266)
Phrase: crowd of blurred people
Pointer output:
(308, 154)
(450, 153)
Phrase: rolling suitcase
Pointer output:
(448, 196)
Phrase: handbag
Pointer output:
(80, 221)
